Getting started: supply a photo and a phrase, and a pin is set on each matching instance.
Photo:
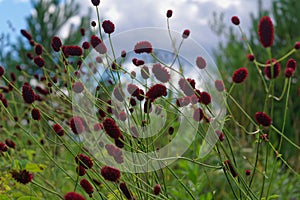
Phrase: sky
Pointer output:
(126, 15)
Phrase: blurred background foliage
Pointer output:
(232, 54)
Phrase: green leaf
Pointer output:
(4, 197)
(27, 198)
(32, 167)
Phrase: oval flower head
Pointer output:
(266, 31)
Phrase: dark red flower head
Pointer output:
(198, 114)
(39, 61)
(28, 94)
(186, 33)
(240, 75)
(110, 173)
(161, 73)
(72, 51)
(205, 98)
(266, 31)
(1, 71)
(77, 125)
(22, 176)
(10, 143)
(156, 91)
(26, 34)
(187, 86)
(289, 72)
(96, 2)
(219, 85)
(145, 72)
(125, 190)
(58, 129)
(291, 63)
(80, 170)
(111, 128)
(250, 57)
(235, 20)
(84, 160)
(73, 196)
(93, 23)
(86, 45)
(3, 147)
(35, 113)
(297, 45)
(87, 186)
(276, 69)
(169, 13)
(56, 43)
(247, 172)
(108, 27)
(263, 119)
(38, 49)
(98, 45)
(229, 166)
(78, 87)
(200, 62)
(143, 47)
(156, 189)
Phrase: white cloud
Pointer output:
(191, 14)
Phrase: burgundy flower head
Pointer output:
(98, 45)
(28, 94)
(266, 31)
(219, 85)
(85, 45)
(198, 114)
(73, 196)
(39, 61)
(263, 119)
(235, 20)
(145, 72)
(125, 190)
(84, 160)
(56, 43)
(187, 86)
(111, 128)
(1, 71)
(108, 27)
(10, 143)
(26, 34)
(72, 51)
(205, 98)
(132, 89)
(156, 91)
(87, 186)
(291, 63)
(240, 75)
(156, 189)
(80, 170)
(169, 13)
(93, 23)
(96, 2)
(289, 72)
(77, 87)
(38, 49)
(247, 172)
(3, 147)
(22, 176)
(276, 69)
(77, 125)
(35, 113)
(200, 62)
(161, 73)
(186, 33)
(143, 47)
(110, 173)
(229, 166)
(250, 57)
(220, 135)
(297, 45)
(58, 129)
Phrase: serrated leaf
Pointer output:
(32, 167)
